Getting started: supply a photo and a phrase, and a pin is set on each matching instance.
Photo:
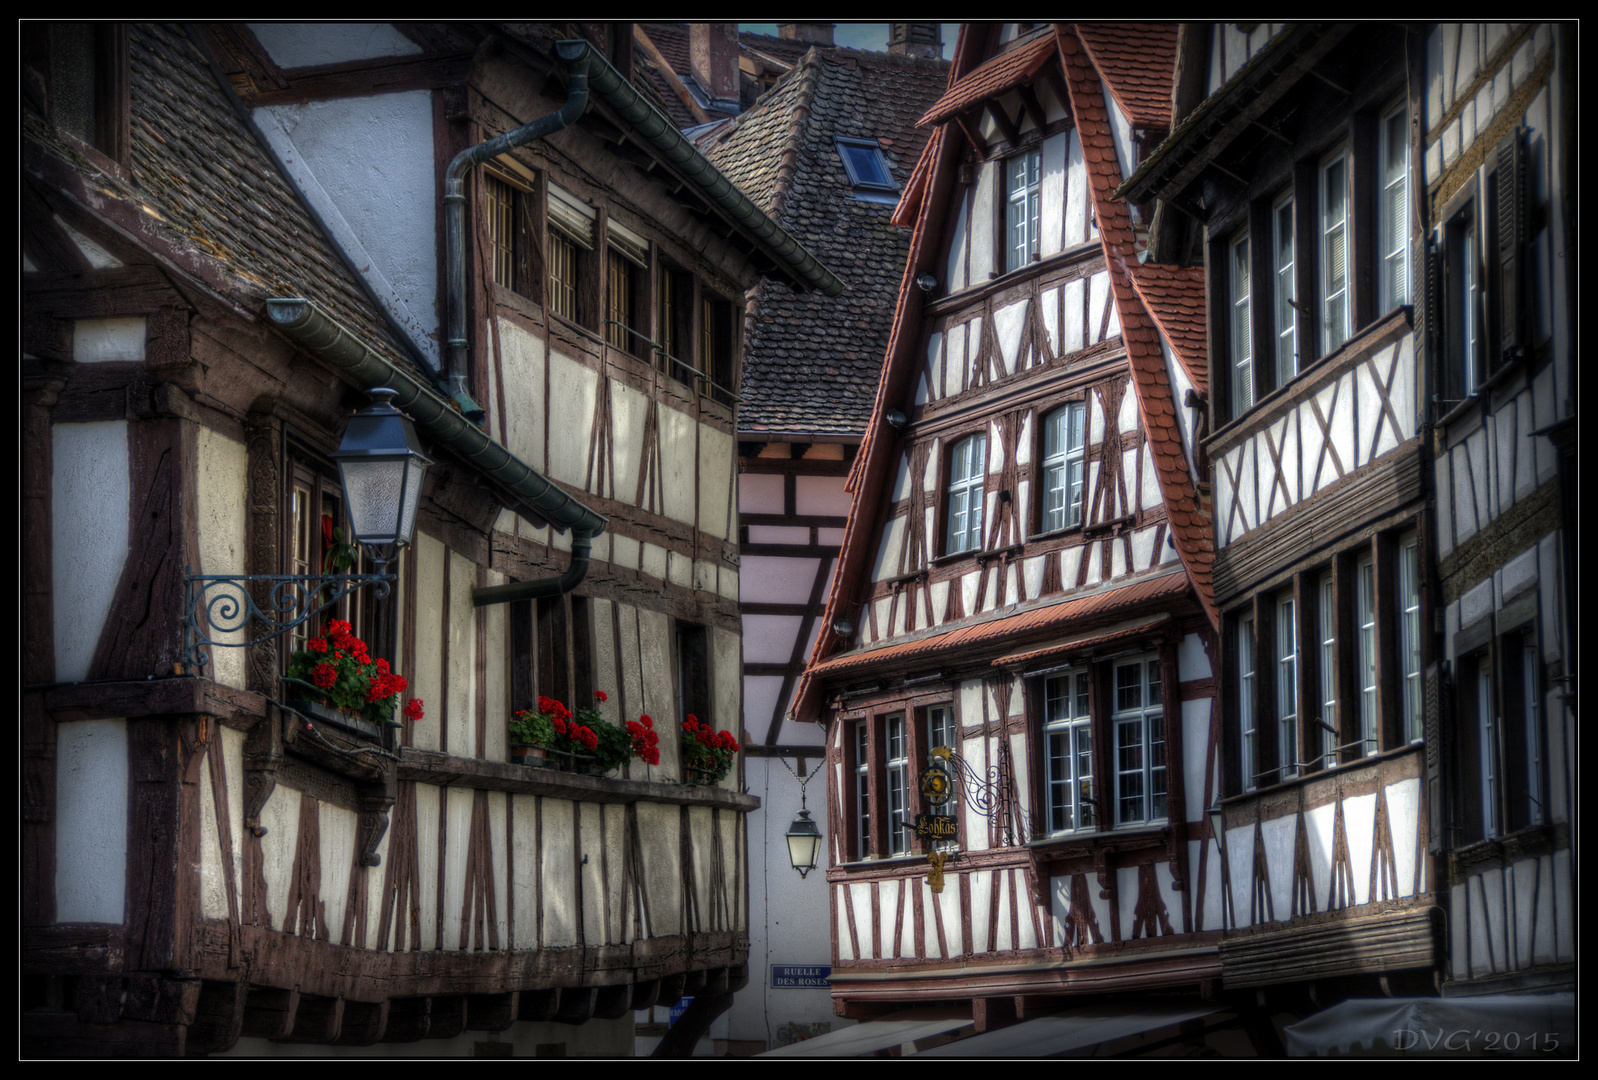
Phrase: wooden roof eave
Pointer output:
(1203, 136)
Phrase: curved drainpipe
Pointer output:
(342, 350)
(575, 56)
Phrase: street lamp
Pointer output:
(381, 466)
(804, 843)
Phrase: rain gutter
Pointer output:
(340, 349)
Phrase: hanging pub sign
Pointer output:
(935, 786)
(936, 827)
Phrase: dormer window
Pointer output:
(869, 173)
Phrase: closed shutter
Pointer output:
(572, 217)
(1511, 185)
(1437, 730)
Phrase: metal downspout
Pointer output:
(574, 55)
(345, 352)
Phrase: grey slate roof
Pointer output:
(811, 364)
(209, 192)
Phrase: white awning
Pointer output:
(858, 1040)
(1048, 1036)
(1496, 1025)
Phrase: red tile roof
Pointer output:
(994, 77)
(1137, 61)
(1083, 643)
(1038, 622)
(1174, 296)
(1191, 530)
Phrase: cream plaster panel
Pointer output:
(91, 801)
(975, 753)
(496, 686)
(597, 921)
(572, 392)
(954, 345)
(653, 561)
(1143, 548)
(982, 885)
(337, 829)
(426, 682)
(679, 569)
(1076, 194)
(982, 223)
(1342, 423)
(221, 481)
(717, 455)
(606, 650)
(526, 887)
(658, 682)
(776, 579)
(659, 829)
(822, 496)
(1008, 322)
(727, 583)
(762, 698)
(98, 341)
(557, 868)
(859, 900)
(461, 626)
(954, 272)
(1320, 826)
(280, 817)
(1403, 819)
(1050, 310)
(968, 591)
(215, 866)
(726, 672)
(1003, 886)
(522, 358)
(89, 507)
(1070, 564)
(624, 551)
(1051, 194)
(679, 456)
(629, 411)
(1204, 859)
(769, 639)
(1240, 868)
(1359, 817)
(1098, 297)
(931, 375)
(1276, 835)
(759, 493)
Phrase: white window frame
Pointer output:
(1284, 318)
(1392, 212)
(1241, 335)
(896, 771)
(1365, 634)
(1286, 687)
(1064, 445)
(1333, 197)
(1022, 183)
(1411, 700)
(1327, 727)
(1138, 722)
(862, 780)
(967, 480)
(1068, 752)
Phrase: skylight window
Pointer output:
(868, 169)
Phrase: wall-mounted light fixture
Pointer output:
(381, 467)
(843, 626)
(926, 283)
(897, 419)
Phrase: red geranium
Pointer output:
(339, 664)
(706, 752)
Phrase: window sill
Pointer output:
(1499, 852)
(1125, 836)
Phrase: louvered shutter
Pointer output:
(1511, 185)
(572, 217)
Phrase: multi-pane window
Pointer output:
(626, 277)
(1392, 211)
(941, 731)
(1462, 277)
(1248, 730)
(1240, 337)
(1501, 689)
(1068, 731)
(501, 229)
(562, 276)
(571, 240)
(869, 174)
(1021, 209)
(674, 322)
(967, 466)
(1334, 282)
(716, 347)
(1365, 651)
(1488, 733)
(1063, 442)
(1284, 320)
(897, 787)
(862, 789)
(318, 536)
(1409, 637)
(1326, 726)
(1139, 742)
(1286, 688)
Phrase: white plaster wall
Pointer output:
(89, 506)
(426, 682)
(213, 867)
(98, 341)
(365, 167)
(717, 458)
(820, 495)
(572, 391)
(91, 840)
(222, 479)
(292, 45)
(280, 817)
(522, 358)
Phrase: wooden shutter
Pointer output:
(1511, 227)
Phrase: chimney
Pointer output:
(811, 33)
(916, 39)
(713, 62)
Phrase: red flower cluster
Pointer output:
(709, 737)
(413, 709)
(340, 664)
(646, 744)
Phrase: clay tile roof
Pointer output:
(1137, 61)
(997, 75)
(1038, 623)
(1174, 296)
(203, 187)
(1190, 528)
(811, 364)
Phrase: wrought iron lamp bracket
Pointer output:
(229, 603)
(984, 790)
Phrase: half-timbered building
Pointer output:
(230, 233)
(1025, 579)
(1377, 211)
(826, 152)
